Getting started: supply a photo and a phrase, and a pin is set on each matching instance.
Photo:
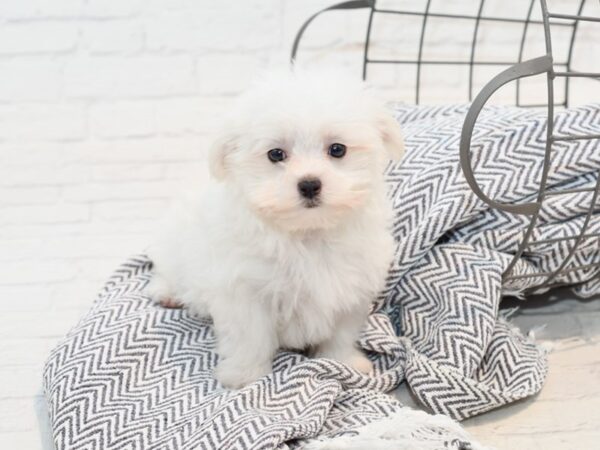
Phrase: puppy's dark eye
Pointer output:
(276, 155)
(337, 150)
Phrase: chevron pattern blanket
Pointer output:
(132, 375)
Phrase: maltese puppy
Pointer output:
(290, 243)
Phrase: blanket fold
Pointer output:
(132, 375)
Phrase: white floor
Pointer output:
(566, 413)
(60, 239)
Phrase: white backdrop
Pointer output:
(107, 107)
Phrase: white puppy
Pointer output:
(290, 243)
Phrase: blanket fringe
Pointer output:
(407, 429)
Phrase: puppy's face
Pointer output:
(305, 151)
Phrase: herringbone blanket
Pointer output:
(132, 375)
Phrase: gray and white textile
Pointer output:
(132, 375)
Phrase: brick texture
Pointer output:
(107, 108)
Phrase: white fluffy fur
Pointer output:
(271, 272)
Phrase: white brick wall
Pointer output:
(107, 108)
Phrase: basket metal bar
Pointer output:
(544, 274)
(367, 42)
(446, 62)
(511, 72)
(573, 17)
(570, 54)
(540, 105)
(582, 137)
(473, 46)
(421, 43)
(582, 231)
(548, 151)
(577, 74)
(528, 68)
(439, 62)
(464, 16)
(561, 239)
(351, 4)
(571, 191)
(522, 48)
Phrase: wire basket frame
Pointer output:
(518, 70)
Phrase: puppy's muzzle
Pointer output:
(309, 187)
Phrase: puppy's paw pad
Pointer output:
(361, 363)
(157, 289)
(234, 376)
(171, 303)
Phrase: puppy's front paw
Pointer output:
(361, 363)
(170, 303)
(158, 290)
(233, 375)
(353, 358)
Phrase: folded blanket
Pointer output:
(133, 375)
(445, 287)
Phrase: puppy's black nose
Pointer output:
(309, 187)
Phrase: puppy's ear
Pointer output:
(223, 145)
(391, 136)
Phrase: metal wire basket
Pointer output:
(518, 69)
